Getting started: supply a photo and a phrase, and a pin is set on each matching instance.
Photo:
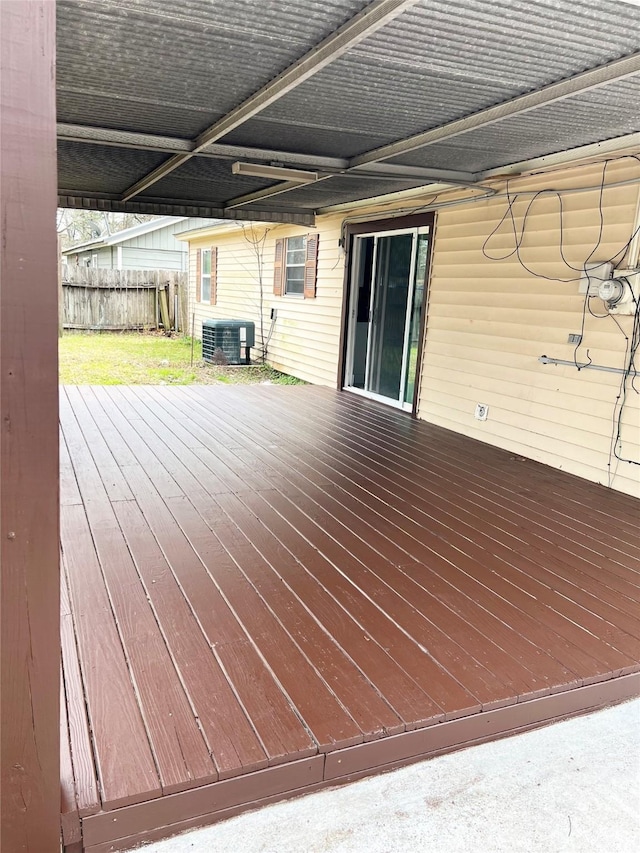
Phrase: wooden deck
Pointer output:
(271, 589)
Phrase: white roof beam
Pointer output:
(369, 20)
(382, 172)
(269, 192)
(334, 165)
(572, 86)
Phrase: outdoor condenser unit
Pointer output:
(227, 341)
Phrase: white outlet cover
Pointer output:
(482, 411)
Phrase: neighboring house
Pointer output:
(448, 309)
(148, 246)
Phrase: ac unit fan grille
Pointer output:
(227, 341)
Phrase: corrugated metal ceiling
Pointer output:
(447, 59)
(201, 57)
(175, 69)
(598, 115)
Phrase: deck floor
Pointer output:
(271, 589)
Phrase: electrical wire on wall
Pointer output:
(632, 341)
(628, 380)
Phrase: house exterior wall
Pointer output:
(488, 321)
(134, 258)
(85, 258)
(155, 250)
(306, 334)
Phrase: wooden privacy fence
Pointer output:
(117, 300)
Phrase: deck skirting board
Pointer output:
(154, 820)
(488, 724)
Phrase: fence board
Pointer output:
(104, 299)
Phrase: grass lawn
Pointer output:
(113, 358)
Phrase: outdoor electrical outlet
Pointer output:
(574, 338)
(482, 411)
(274, 313)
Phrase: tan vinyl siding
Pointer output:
(306, 334)
(489, 321)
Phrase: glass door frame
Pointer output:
(415, 226)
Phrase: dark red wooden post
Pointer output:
(29, 583)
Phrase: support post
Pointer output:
(29, 540)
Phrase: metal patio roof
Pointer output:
(157, 99)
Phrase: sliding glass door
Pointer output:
(386, 299)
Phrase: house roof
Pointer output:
(371, 97)
(126, 234)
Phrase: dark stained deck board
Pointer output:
(547, 558)
(86, 795)
(114, 713)
(218, 710)
(548, 616)
(256, 569)
(237, 747)
(626, 662)
(69, 492)
(452, 458)
(421, 669)
(312, 697)
(69, 816)
(156, 819)
(374, 455)
(316, 574)
(596, 573)
(272, 709)
(180, 752)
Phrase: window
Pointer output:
(205, 284)
(294, 265)
(207, 275)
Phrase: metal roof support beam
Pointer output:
(269, 192)
(336, 165)
(375, 171)
(371, 18)
(572, 86)
(175, 145)
(428, 176)
(396, 171)
(121, 138)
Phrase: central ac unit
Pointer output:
(227, 341)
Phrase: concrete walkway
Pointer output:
(573, 787)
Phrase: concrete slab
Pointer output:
(573, 787)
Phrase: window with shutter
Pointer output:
(295, 266)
